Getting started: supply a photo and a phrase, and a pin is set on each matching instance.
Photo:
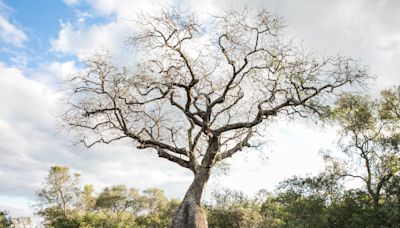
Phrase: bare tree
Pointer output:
(202, 90)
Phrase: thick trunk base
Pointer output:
(190, 215)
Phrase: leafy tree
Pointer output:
(391, 207)
(201, 92)
(116, 202)
(304, 202)
(354, 209)
(323, 201)
(115, 206)
(390, 104)
(370, 139)
(233, 209)
(273, 212)
(88, 200)
(318, 201)
(157, 210)
(59, 197)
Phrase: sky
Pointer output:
(43, 41)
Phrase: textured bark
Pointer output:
(190, 213)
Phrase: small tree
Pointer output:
(117, 202)
(371, 140)
(59, 196)
(201, 92)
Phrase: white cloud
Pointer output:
(23, 123)
(355, 28)
(84, 41)
(71, 2)
(18, 206)
(52, 74)
(9, 32)
(349, 27)
(126, 9)
(293, 149)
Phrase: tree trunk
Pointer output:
(190, 214)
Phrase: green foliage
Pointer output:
(233, 209)
(309, 202)
(62, 202)
(370, 139)
(5, 220)
(59, 198)
(157, 209)
(390, 104)
(354, 113)
(313, 201)
(88, 200)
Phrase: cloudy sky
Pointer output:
(42, 41)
